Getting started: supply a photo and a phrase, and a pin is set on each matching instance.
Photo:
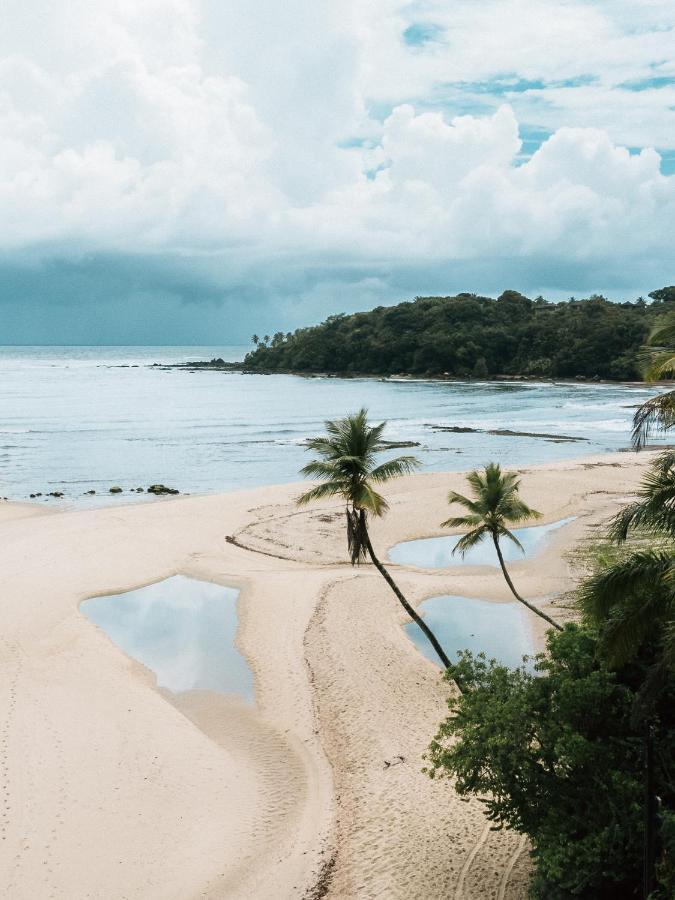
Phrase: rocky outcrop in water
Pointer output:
(159, 489)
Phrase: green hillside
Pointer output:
(469, 335)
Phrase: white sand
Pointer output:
(113, 789)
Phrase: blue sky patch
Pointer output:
(421, 33)
(649, 84)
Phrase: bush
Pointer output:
(554, 755)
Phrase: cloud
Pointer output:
(280, 153)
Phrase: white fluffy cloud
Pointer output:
(315, 131)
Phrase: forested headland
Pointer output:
(473, 336)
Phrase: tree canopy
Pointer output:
(473, 336)
(558, 757)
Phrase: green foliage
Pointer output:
(658, 413)
(468, 335)
(496, 504)
(347, 467)
(664, 294)
(556, 756)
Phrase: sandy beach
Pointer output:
(114, 789)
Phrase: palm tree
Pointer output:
(632, 598)
(347, 468)
(495, 505)
(658, 413)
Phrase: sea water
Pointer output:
(437, 553)
(75, 419)
(180, 628)
(499, 630)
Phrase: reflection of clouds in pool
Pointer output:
(181, 629)
(500, 630)
(436, 553)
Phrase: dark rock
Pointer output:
(159, 489)
(455, 429)
(90, 492)
(115, 490)
(55, 494)
(394, 445)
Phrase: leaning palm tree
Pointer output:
(494, 506)
(347, 468)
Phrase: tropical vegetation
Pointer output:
(557, 756)
(347, 467)
(658, 413)
(576, 750)
(495, 505)
(580, 754)
(468, 335)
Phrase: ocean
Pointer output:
(75, 419)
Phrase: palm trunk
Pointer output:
(404, 603)
(515, 592)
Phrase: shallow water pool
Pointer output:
(500, 630)
(180, 628)
(436, 553)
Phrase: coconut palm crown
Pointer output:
(496, 504)
(348, 468)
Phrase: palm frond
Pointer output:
(511, 508)
(318, 468)
(393, 468)
(656, 415)
(365, 497)
(641, 574)
(630, 600)
(471, 539)
(658, 354)
(654, 512)
(510, 536)
(660, 364)
(623, 634)
(466, 502)
(477, 481)
(469, 521)
(495, 498)
(322, 491)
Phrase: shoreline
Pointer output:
(240, 368)
(192, 796)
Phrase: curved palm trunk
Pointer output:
(404, 603)
(515, 593)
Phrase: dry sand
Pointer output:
(113, 789)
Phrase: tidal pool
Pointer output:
(182, 629)
(500, 630)
(436, 553)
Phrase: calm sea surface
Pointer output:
(74, 419)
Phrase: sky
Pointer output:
(193, 171)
